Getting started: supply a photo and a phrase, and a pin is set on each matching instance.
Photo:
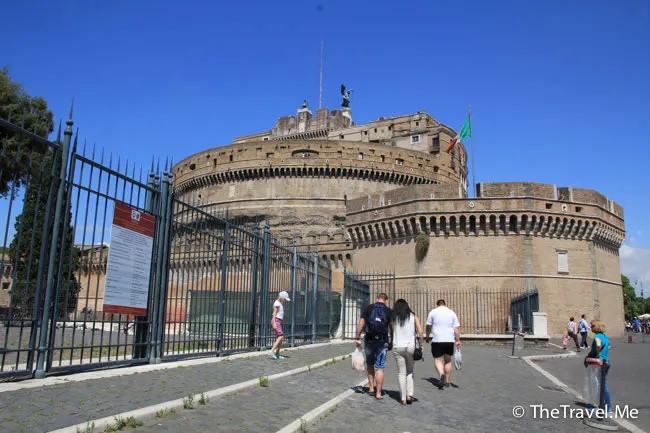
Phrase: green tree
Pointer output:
(20, 153)
(632, 304)
(25, 248)
(28, 165)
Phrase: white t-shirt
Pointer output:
(571, 326)
(404, 335)
(280, 313)
(443, 321)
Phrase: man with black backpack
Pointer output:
(376, 322)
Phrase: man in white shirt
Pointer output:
(276, 323)
(446, 332)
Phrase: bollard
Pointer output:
(515, 334)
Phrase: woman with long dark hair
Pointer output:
(406, 329)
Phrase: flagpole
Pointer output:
(471, 141)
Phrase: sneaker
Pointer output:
(281, 357)
(275, 356)
(443, 381)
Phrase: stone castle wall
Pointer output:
(511, 242)
(303, 186)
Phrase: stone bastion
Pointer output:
(564, 242)
(302, 186)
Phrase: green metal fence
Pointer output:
(211, 283)
(480, 311)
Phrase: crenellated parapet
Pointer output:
(417, 209)
(317, 159)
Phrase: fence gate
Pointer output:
(521, 310)
(54, 260)
(359, 291)
(224, 279)
(209, 289)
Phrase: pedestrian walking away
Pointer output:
(571, 334)
(583, 328)
(376, 322)
(446, 333)
(407, 332)
(276, 323)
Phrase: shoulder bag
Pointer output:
(417, 353)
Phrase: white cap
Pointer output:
(285, 295)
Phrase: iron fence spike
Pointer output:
(71, 109)
(76, 137)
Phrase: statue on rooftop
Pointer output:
(304, 103)
(346, 96)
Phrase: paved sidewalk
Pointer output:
(56, 406)
(261, 409)
(490, 385)
(627, 379)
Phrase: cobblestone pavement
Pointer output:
(262, 409)
(627, 379)
(489, 386)
(57, 406)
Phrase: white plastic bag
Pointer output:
(358, 361)
(458, 359)
(591, 386)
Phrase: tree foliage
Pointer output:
(633, 305)
(26, 253)
(19, 153)
(33, 168)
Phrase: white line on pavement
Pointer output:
(150, 411)
(103, 374)
(314, 414)
(530, 361)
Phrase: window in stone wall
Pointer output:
(562, 261)
(214, 162)
(383, 158)
(230, 158)
(435, 144)
(6, 286)
(399, 161)
(360, 157)
(415, 139)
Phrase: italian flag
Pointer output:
(465, 132)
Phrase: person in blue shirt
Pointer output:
(583, 328)
(600, 347)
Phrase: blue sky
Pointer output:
(559, 90)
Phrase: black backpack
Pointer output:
(377, 326)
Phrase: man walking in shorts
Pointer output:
(446, 333)
(276, 323)
(376, 321)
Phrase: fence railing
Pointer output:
(480, 311)
(211, 283)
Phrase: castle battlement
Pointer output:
(363, 193)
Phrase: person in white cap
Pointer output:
(276, 323)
